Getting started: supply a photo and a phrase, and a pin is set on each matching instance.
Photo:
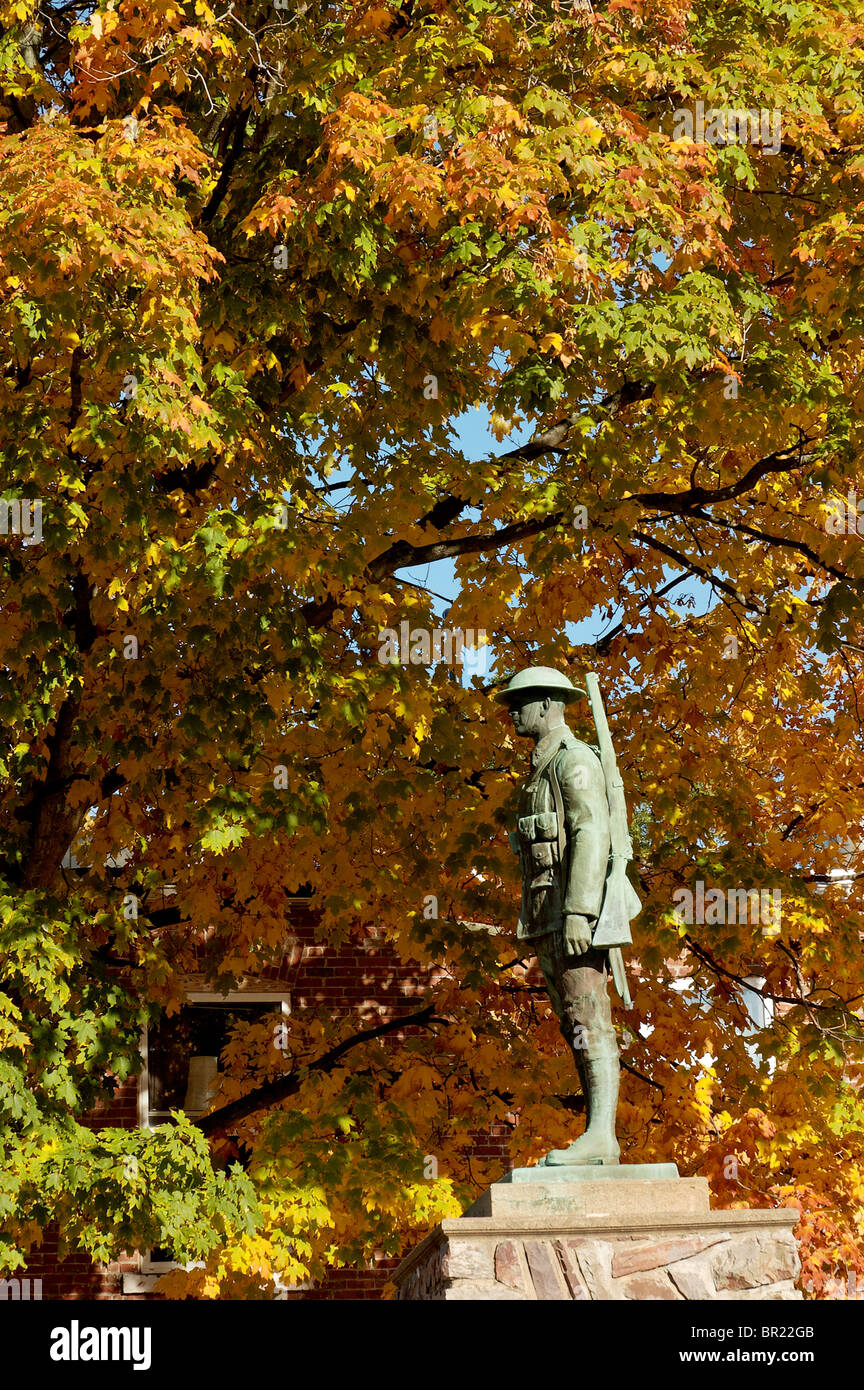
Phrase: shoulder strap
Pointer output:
(559, 811)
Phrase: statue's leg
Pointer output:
(577, 989)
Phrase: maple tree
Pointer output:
(255, 261)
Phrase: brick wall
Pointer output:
(361, 974)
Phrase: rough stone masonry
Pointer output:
(598, 1241)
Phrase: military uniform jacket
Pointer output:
(564, 865)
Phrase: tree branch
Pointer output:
(554, 440)
(188, 478)
(238, 135)
(54, 824)
(781, 461)
(401, 555)
(693, 568)
(717, 969)
(801, 546)
(274, 1092)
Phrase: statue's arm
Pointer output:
(586, 812)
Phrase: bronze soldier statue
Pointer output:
(576, 899)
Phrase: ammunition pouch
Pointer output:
(538, 840)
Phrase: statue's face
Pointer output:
(529, 715)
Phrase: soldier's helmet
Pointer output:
(539, 681)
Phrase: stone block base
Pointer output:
(604, 1236)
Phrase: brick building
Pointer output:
(179, 1061)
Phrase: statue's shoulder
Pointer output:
(574, 757)
(573, 747)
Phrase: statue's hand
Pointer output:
(577, 934)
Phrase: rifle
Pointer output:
(620, 902)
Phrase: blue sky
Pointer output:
(477, 441)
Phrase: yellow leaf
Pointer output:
(552, 341)
(374, 20)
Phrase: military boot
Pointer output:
(598, 1145)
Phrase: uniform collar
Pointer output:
(548, 744)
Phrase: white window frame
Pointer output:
(282, 997)
(760, 1010)
(234, 996)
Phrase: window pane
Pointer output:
(178, 1048)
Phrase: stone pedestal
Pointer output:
(628, 1232)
